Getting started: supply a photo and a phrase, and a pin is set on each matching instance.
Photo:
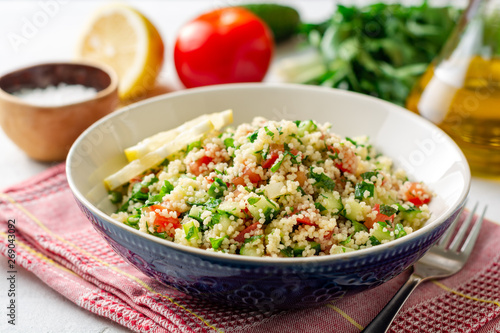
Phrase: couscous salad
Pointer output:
(266, 188)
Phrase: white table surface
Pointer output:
(39, 308)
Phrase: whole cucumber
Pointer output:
(284, 21)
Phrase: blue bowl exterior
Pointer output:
(267, 286)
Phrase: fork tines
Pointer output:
(458, 237)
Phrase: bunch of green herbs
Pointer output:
(379, 49)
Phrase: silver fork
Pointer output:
(442, 260)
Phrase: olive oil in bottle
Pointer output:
(460, 92)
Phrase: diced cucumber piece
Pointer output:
(379, 232)
(399, 231)
(306, 126)
(341, 249)
(231, 208)
(249, 250)
(217, 188)
(274, 190)
(191, 230)
(261, 206)
(331, 202)
(384, 163)
(410, 216)
(355, 211)
(222, 220)
(195, 213)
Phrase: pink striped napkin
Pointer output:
(55, 242)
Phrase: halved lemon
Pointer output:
(124, 39)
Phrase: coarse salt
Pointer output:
(59, 95)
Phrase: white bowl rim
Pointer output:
(238, 259)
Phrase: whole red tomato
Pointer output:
(223, 46)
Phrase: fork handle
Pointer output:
(383, 320)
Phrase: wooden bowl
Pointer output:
(46, 133)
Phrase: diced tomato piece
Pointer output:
(328, 235)
(417, 194)
(305, 220)
(271, 158)
(166, 224)
(252, 176)
(198, 166)
(274, 154)
(241, 236)
(379, 218)
(155, 207)
(348, 163)
(136, 180)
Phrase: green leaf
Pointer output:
(253, 200)
(322, 180)
(115, 197)
(217, 242)
(192, 145)
(217, 188)
(165, 189)
(358, 226)
(192, 232)
(252, 238)
(361, 188)
(399, 230)
(368, 175)
(374, 240)
(287, 252)
(252, 137)
(387, 210)
(229, 142)
(347, 241)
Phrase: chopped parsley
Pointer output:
(252, 201)
(358, 226)
(387, 210)
(192, 145)
(322, 180)
(399, 230)
(374, 240)
(229, 142)
(347, 241)
(165, 189)
(252, 137)
(361, 188)
(217, 188)
(251, 239)
(269, 132)
(217, 242)
(192, 232)
(368, 175)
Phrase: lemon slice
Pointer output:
(218, 119)
(124, 39)
(155, 157)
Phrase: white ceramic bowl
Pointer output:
(422, 149)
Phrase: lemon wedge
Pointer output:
(218, 119)
(155, 157)
(124, 39)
